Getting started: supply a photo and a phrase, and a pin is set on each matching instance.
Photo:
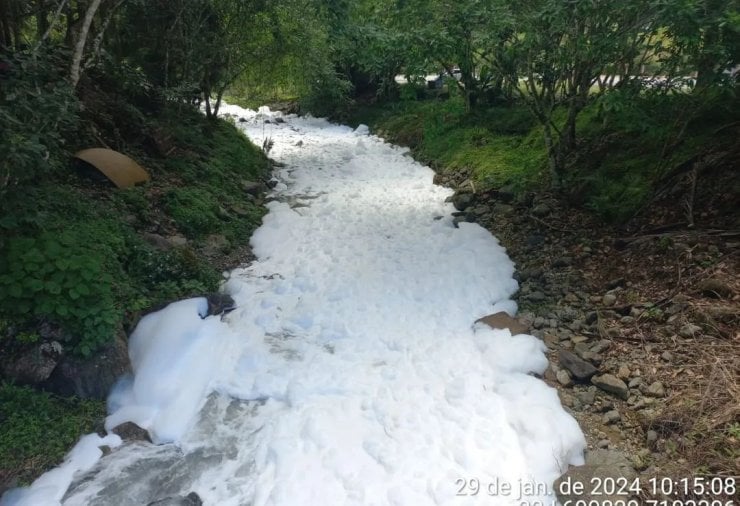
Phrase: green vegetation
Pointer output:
(37, 429)
(624, 152)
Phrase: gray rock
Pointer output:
(623, 373)
(157, 241)
(539, 322)
(219, 304)
(656, 389)
(579, 368)
(541, 210)
(129, 431)
(253, 187)
(564, 378)
(462, 201)
(609, 299)
(715, 288)
(192, 499)
(215, 244)
(33, 366)
(635, 382)
(536, 296)
(651, 437)
(177, 241)
(612, 384)
(587, 396)
(612, 416)
(667, 356)
(562, 262)
(91, 378)
(602, 464)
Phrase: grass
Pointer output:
(626, 146)
(37, 429)
(498, 146)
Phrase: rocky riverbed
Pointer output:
(641, 328)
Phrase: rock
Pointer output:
(579, 368)
(562, 262)
(667, 356)
(635, 382)
(614, 283)
(505, 193)
(459, 219)
(612, 416)
(623, 373)
(176, 241)
(609, 299)
(481, 210)
(157, 241)
(541, 210)
(564, 378)
(272, 183)
(279, 120)
(33, 366)
(215, 244)
(588, 396)
(502, 320)
(219, 304)
(578, 339)
(612, 384)
(689, 330)
(129, 431)
(539, 322)
(651, 437)
(252, 187)
(462, 201)
(591, 317)
(192, 499)
(536, 296)
(91, 378)
(656, 389)
(715, 288)
(604, 465)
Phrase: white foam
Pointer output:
(361, 376)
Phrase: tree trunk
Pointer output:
(42, 18)
(74, 73)
(553, 157)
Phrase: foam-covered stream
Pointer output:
(350, 372)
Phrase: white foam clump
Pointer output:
(175, 355)
(50, 487)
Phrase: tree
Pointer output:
(561, 49)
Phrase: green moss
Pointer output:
(37, 429)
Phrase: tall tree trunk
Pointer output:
(42, 18)
(74, 73)
(553, 156)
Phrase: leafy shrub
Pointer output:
(38, 110)
(194, 211)
(164, 276)
(57, 277)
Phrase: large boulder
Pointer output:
(33, 366)
(93, 377)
